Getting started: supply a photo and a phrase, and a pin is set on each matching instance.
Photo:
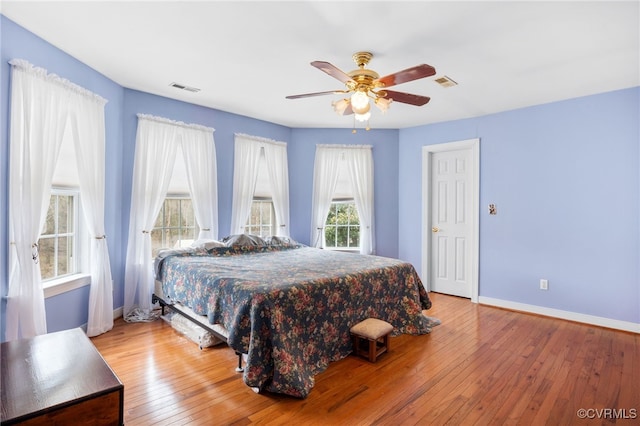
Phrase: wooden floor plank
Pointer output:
(483, 365)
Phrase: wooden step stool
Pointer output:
(371, 338)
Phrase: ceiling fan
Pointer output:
(365, 85)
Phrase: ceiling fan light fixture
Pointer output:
(362, 110)
(340, 106)
(365, 85)
(359, 101)
(383, 104)
(363, 117)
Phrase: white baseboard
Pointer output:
(117, 313)
(557, 313)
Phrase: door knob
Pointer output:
(435, 229)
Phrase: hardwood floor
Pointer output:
(483, 365)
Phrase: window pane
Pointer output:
(188, 214)
(261, 220)
(172, 237)
(343, 214)
(266, 212)
(46, 257)
(354, 235)
(63, 214)
(330, 236)
(331, 218)
(254, 217)
(56, 254)
(159, 219)
(354, 219)
(64, 255)
(50, 221)
(342, 237)
(175, 226)
(156, 240)
(187, 237)
(342, 230)
(340, 214)
(172, 212)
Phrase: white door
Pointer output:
(452, 221)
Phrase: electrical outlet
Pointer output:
(544, 285)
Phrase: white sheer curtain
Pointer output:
(359, 162)
(360, 165)
(325, 178)
(42, 105)
(245, 172)
(38, 118)
(86, 113)
(156, 146)
(200, 159)
(277, 164)
(157, 141)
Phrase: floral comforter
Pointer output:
(290, 308)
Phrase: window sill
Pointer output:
(344, 249)
(62, 285)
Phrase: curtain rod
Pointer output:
(343, 146)
(175, 123)
(26, 66)
(259, 139)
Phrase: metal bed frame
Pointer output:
(164, 304)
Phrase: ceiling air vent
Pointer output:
(183, 87)
(445, 81)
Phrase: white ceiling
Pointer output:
(247, 56)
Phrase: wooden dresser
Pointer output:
(58, 379)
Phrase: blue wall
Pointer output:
(565, 177)
(385, 162)
(566, 181)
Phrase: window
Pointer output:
(58, 244)
(175, 225)
(63, 246)
(262, 218)
(342, 228)
(343, 174)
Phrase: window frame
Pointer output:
(56, 235)
(196, 226)
(80, 277)
(334, 202)
(273, 223)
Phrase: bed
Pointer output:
(288, 307)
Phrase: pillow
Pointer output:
(243, 240)
(280, 241)
(207, 244)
